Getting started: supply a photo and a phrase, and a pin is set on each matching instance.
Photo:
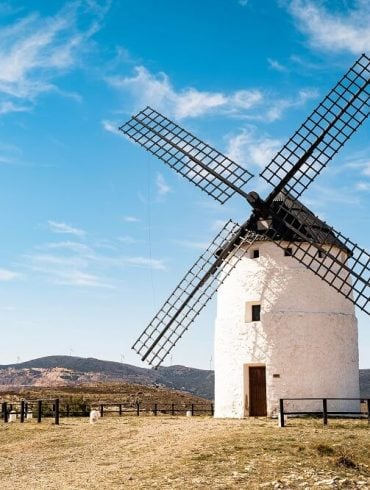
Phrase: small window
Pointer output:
(255, 253)
(288, 252)
(256, 313)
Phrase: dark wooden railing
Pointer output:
(324, 413)
(56, 408)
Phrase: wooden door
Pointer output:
(257, 391)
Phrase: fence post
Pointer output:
(192, 409)
(137, 408)
(101, 410)
(5, 412)
(120, 409)
(26, 410)
(155, 409)
(22, 411)
(212, 410)
(56, 414)
(325, 411)
(281, 412)
(39, 410)
(67, 410)
(368, 410)
(173, 409)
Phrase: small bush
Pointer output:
(347, 462)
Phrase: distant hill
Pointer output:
(70, 371)
(365, 383)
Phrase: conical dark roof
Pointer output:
(299, 216)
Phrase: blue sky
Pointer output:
(96, 232)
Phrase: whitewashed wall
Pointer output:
(307, 335)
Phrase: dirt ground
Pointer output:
(184, 452)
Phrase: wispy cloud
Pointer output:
(80, 279)
(131, 219)
(157, 90)
(145, 262)
(64, 228)
(127, 239)
(35, 50)
(275, 65)
(111, 127)
(9, 154)
(334, 31)
(192, 244)
(67, 245)
(162, 187)
(277, 107)
(8, 275)
(249, 149)
(363, 186)
(85, 264)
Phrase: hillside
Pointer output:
(365, 383)
(71, 371)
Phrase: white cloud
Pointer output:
(67, 245)
(145, 262)
(243, 3)
(157, 90)
(363, 186)
(80, 279)
(131, 219)
(34, 50)
(77, 264)
(334, 31)
(192, 244)
(366, 169)
(42, 262)
(9, 106)
(127, 239)
(279, 106)
(111, 127)
(162, 187)
(64, 228)
(8, 275)
(275, 65)
(248, 149)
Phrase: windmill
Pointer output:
(287, 282)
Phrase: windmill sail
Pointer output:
(328, 253)
(280, 217)
(198, 162)
(193, 293)
(324, 132)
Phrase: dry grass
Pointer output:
(183, 452)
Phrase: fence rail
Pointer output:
(324, 413)
(57, 408)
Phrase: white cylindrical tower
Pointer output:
(282, 332)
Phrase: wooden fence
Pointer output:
(56, 408)
(324, 413)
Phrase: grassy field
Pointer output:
(184, 452)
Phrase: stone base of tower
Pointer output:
(305, 342)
